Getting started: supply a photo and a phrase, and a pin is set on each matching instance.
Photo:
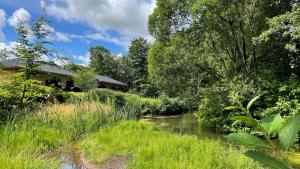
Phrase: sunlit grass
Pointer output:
(29, 140)
(69, 109)
(151, 149)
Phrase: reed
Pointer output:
(28, 139)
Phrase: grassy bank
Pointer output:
(30, 140)
(141, 106)
(151, 149)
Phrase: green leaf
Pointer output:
(272, 124)
(230, 108)
(267, 160)
(251, 103)
(289, 132)
(247, 120)
(248, 140)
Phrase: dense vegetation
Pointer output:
(136, 140)
(224, 53)
(139, 105)
(236, 63)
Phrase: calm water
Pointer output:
(181, 124)
(70, 159)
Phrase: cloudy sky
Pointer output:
(80, 24)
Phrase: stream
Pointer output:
(181, 124)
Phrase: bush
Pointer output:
(237, 93)
(171, 106)
(275, 97)
(211, 105)
(18, 93)
(133, 102)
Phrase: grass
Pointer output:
(152, 149)
(30, 140)
(142, 106)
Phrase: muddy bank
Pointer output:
(114, 162)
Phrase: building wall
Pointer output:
(41, 78)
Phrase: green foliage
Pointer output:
(85, 79)
(171, 106)
(137, 56)
(286, 129)
(223, 104)
(285, 29)
(265, 159)
(31, 51)
(152, 149)
(103, 62)
(245, 119)
(211, 105)
(19, 91)
(248, 140)
(134, 103)
(289, 132)
(271, 124)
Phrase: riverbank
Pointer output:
(31, 140)
(150, 148)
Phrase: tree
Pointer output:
(214, 38)
(74, 67)
(284, 33)
(85, 79)
(104, 62)
(30, 51)
(137, 56)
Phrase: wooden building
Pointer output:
(50, 74)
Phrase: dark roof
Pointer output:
(14, 63)
(43, 67)
(108, 80)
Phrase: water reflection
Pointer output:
(70, 159)
(184, 124)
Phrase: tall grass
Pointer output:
(151, 149)
(141, 106)
(29, 140)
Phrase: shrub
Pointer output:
(133, 102)
(237, 92)
(171, 106)
(211, 105)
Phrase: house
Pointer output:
(50, 74)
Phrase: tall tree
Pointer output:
(85, 79)
(137, 57)
(31, 50)
(104, 62)
(214, 37)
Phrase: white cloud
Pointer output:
(8, 46)
(2, 23)
(128, 17)
(63, 37)
(61, 62)
(19, 16)
(84, 59)
(120, 41)
(45, 58)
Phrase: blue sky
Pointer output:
(78, 25)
